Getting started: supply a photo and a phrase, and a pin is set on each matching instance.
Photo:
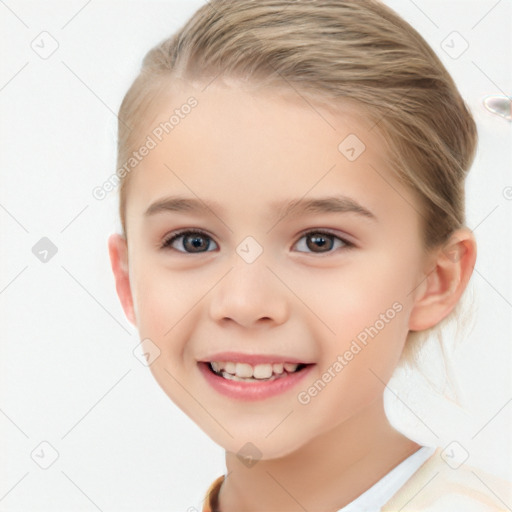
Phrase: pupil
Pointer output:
(320, 241)
(196, 241)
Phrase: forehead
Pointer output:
(256, 147)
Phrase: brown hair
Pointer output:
(355, 51)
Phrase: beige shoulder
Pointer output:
(441, 485)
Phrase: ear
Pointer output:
(118, 251)
(448, 274)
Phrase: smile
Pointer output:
(244, 381)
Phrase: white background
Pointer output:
(68, 374)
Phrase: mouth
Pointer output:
(244, 381)
(244, 372)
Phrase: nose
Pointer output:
(249, 295)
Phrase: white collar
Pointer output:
(381, 492)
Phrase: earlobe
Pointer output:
(118, 251)
(450, 270)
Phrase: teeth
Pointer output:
(277, 368)
(229, 367)
(242, 370)
(246, 371)
(241, 379)
(262, 371)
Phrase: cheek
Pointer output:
(163, 300)
(356, 364)
(352, 299)
(366, 310)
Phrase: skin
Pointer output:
(247, 148)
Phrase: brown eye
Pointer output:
(321, 242)
(190, 241)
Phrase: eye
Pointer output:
(198, 242)
(193, 242)
(322, 242)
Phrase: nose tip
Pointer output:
(249, 296)
(250, 312)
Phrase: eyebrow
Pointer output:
(331, 204)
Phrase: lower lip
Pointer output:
(252, 390)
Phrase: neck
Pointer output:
(325, 474)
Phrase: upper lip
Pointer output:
(252, 359)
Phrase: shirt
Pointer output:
(380, 493)
(424, 482)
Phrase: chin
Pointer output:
(260, 447)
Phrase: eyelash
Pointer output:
(168, 241)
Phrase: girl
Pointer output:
(292, 205)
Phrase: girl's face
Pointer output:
(330, 283)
